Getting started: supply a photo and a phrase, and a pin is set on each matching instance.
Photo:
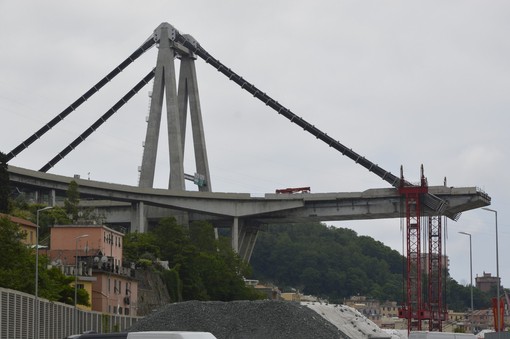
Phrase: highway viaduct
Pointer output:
(136, 207)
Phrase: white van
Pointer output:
(439, 335)
(150, 335)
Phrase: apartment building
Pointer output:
(93, 255)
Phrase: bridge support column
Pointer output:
(244, 237)
(53, 198)
(138, 217)
(247, 238)
(235, 235)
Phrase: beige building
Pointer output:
(272, 292)
(370, 308)
(291, 296)
(93, 254)
(26, 226)
(389, 309)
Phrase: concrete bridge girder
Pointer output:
(273, 208)
(240, 212)
(227, 207)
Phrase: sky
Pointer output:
(401, 83)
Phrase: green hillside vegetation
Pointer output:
(332, 263)
(336, 263)
(202, 268)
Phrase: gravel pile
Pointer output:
(263, 319)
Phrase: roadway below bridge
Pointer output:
(241, 212)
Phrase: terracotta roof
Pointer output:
(19, 221)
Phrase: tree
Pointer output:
(173, 283)
(17, 265)
(328, 262)
(136, 245)
(201, 234)
(72, 200)
(55, 285)
(57, 215)
(202, 267)
(4, 184)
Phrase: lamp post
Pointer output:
(470, 273)
(497, 265)
(36, 322)
(76, 281)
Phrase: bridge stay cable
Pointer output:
(99, 121)
(415, 310)
(430, 200)
(94, 89)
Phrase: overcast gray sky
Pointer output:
(402, 83)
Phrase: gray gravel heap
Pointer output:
(262, 319)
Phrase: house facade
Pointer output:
(93, 255)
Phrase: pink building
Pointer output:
(99, 252)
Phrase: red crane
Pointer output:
(418, 309)
(291, 190)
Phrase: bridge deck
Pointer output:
(378, 203)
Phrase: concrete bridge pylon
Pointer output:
(177, 97)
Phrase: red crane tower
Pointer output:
(417, 309)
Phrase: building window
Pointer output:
(126, 311)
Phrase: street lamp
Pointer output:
(76, 280)
(497, 264)
(36, 322)
(470, 273)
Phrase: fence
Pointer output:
(56, 320)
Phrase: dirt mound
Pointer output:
(263, 319)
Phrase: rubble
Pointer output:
(262, 319)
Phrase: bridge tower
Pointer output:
(177, 98)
